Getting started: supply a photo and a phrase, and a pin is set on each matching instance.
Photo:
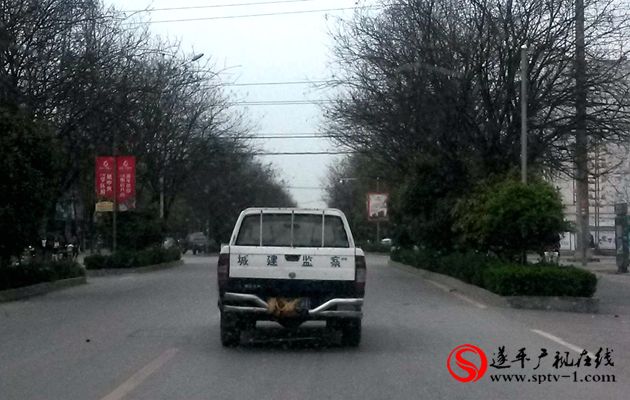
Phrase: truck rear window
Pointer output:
(297, 230)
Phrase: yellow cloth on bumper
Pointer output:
(281, 307)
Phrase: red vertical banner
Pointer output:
(126, 189)
(104, 182)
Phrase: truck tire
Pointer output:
(230, 331)
(351, 333)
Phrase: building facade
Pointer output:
(609, 183)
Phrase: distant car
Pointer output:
(386, 241)
(197, 242)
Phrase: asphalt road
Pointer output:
(156, 336)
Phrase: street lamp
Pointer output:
(194, 58)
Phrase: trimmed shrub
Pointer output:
(95, 261)
(31, 273)
(136, 230)
(132, 259)
(464, 266)
(468, 267)
(503, 278)
(172, 254)
(122, 259)
(510, 218)
(539, 280)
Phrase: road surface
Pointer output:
(156, 336)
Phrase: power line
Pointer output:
(256, 3)
(279, 83)
(250, 15)
(286, 133)
(279, 102)
(292, 136)
(304, 153)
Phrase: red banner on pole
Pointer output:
(104, 178)
(126, 190)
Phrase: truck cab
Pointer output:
(291, 265)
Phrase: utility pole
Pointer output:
(161, 197)
(581, 139)
(116, 183)
(524, 114)
(378, 221)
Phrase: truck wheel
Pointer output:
(351, 333)
(230, 331)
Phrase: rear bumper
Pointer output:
(251, 304)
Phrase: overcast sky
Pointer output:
(277, 48)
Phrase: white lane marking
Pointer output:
(458, 295)
(140, 376)
(562, 342)
(439, 285)
(471, 301)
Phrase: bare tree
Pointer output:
(432, 88)
(440, 78)
(101, 82)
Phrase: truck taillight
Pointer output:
(360, 273)
(223, 270)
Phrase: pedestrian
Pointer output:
(43, 251)
(49, 247)
(56, 249)
(75, 249)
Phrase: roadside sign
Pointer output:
(105, 206)
(126, 190)
(104, 178)
(377, 206)
(115, 175)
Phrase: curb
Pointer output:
(589, 305)
(39, 289)
(456, 285)
(139, 270)
(566, 304)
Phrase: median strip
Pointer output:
(38, 289)
(516, 283)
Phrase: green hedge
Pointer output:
(503, 278)
(132, 259)
(31, 273)
(539, 280)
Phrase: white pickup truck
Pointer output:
(291, 265)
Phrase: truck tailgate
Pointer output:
(310, 263)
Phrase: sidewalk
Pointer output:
(604, 265)
(613, 289)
